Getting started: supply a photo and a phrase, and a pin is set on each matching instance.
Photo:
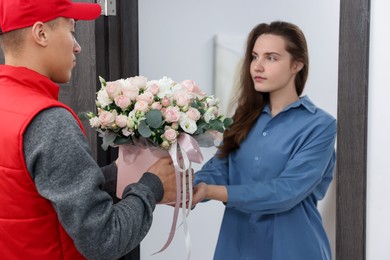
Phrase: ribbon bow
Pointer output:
(188, 150)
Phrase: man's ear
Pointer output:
(39, 34)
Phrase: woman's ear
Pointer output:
(39, 34)
(297, 66)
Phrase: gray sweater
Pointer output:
(58, 159)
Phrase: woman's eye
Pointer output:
(271, 58)
(254, 57)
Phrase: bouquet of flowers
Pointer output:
(155, 111)
(151, 119)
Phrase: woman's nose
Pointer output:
(259, 65)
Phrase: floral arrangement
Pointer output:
(134, 108)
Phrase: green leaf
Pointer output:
(102, 81)
(227, 122)
(203, 125)
(154, 118)
(198, 105)
(122, 140)
(217, 125)
(199, 131)
(85, 115)
(108, 139)
(144, 129)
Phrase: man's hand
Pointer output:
(164, 169)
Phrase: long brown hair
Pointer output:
(251, 102)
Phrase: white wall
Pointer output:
(378, 166)
(176, 39)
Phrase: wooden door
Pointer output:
(109, 49)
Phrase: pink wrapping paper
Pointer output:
(133, 161)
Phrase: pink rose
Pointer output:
(113, 88)
(165, 102)
(182, 98)
(193, 114)
(156, 105)
(121, 121)
(146, 96)
(107, 118)
(129, 90)
(122, 101)
(170, 135)
(172, 114)
(191, 86)
(153, 88)
(141, 106)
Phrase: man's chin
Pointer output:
(62, 80)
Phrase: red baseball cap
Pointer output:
(17, 14)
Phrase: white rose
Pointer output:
(209, 115)
(126, 132)
(165, 87)
(94, 122)
(138, 81)
(212, 101)
(103, 98)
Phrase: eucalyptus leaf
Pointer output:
(217, 125)
(199, 131)
(108, 139)
(144, 130)
(201, 123)
(227, 122)
(154, 118)
(123, 140)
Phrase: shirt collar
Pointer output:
(303, 101)
(30, 79)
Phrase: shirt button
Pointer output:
(264, 133)
(256, 158)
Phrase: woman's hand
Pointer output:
(199, 193)
(204, 191)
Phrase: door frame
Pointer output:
(352, 107)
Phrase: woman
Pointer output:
(276, 160)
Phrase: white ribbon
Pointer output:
(189, 151)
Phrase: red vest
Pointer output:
(29, 226)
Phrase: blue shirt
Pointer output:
(274, 180)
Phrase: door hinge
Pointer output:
(108, 7)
